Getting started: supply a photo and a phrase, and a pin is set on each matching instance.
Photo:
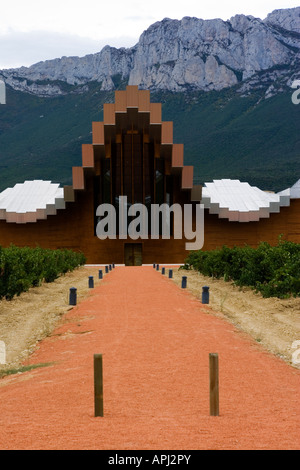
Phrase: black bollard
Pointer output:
(205, 295)
(163, 270)
(110, 267)
(113, 265)
(73, 296)
(170, 273)
(106, 269)
(157, 267)
(183, 282)
(100, 274)
(153, 265)
(91, 282)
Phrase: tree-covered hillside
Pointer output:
(224, 135)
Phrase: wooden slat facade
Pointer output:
(141, 161)
(73, 228)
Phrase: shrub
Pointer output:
(273, 271)
(22, 268)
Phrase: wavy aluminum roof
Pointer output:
(31, 201)
(293, 192)
(240, 202)
(229, 199)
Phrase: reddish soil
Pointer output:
(155, 339)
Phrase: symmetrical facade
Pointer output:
(132, 156)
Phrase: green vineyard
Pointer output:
(22, 268)
(272, 271)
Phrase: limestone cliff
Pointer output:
(179, 55)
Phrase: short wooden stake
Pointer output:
(214, 384)
(98, 384)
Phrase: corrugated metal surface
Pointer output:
(31, 201)
(290, 193)
(240, 202)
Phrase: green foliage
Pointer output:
(224, 135)
(22, 268)
(274, 271)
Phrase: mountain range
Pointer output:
(226, 85)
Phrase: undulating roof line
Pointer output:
(31, 201)
(239, 202)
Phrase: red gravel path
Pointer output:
(155, 340)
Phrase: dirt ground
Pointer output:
(274, 323)
(155, 339)
(32, 316)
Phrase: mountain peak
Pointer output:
(178, 55)
(288, 19)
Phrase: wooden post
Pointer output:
(98, 384)
(214, 384)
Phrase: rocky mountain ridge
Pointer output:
(181, 55)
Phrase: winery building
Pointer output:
(132, 157)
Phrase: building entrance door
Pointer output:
(133, 254)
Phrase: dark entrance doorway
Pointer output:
(133, 254)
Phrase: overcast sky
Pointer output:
(35, 30)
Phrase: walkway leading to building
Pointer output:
(155, 340)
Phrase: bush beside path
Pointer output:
(155, 339)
